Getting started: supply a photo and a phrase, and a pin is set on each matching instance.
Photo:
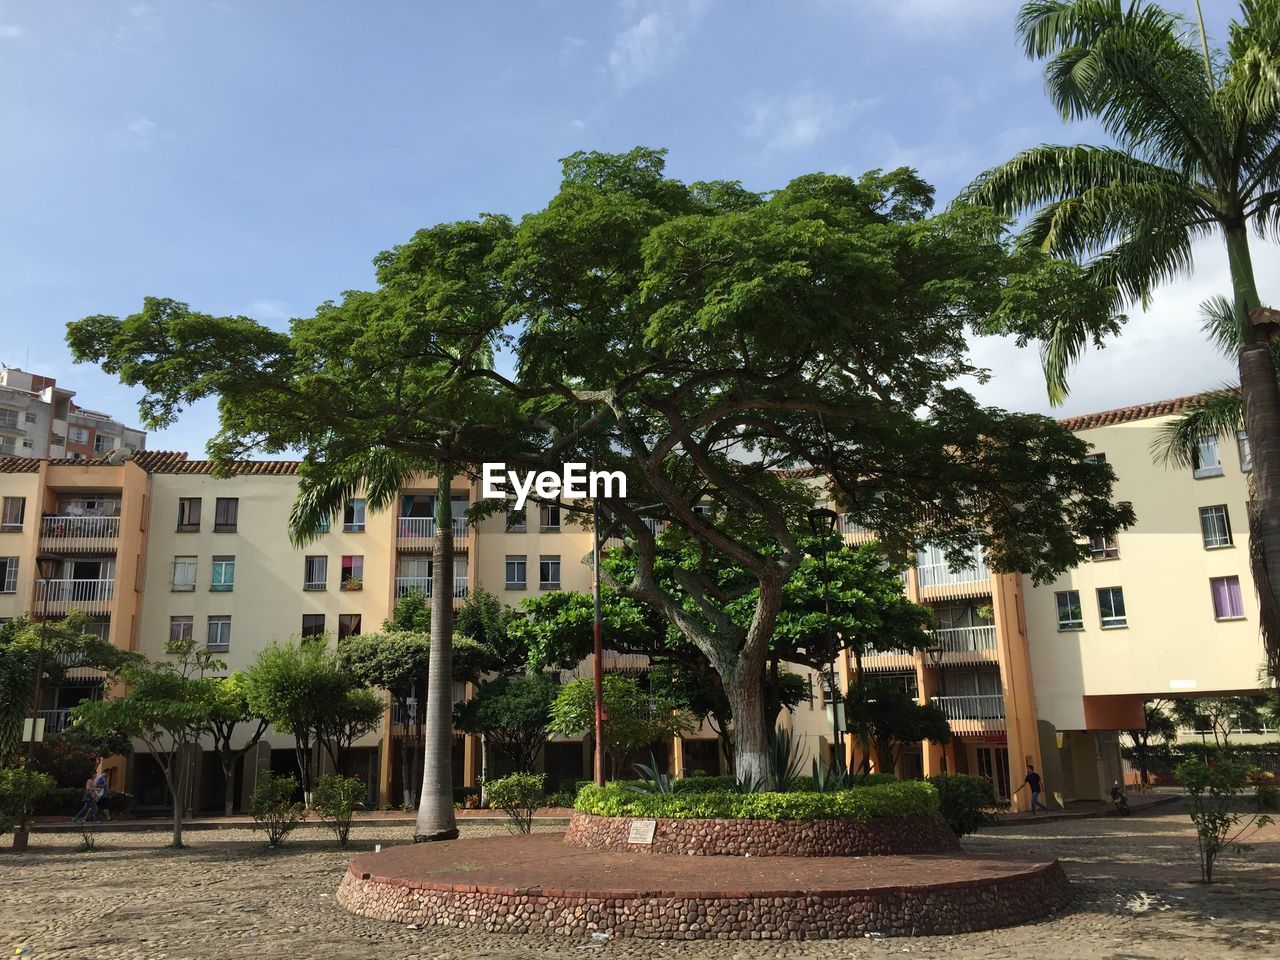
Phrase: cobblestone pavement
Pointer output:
(228, 897)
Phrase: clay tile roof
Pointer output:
(1143, 411)
(18, 465)
(162, 461)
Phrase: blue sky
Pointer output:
(252, 157)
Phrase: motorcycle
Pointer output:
(1120, 800)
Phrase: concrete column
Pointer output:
(1015, 677)
(676, 766)
(386, 753)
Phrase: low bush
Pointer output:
(518, 796)
(898, 799)
(560, 798)
(336, 799)
(20, 791)
(966, 802)
(60, 802)
(273, 808)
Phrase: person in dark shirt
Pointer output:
(1035, 783)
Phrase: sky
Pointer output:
(252, 157)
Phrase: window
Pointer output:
(517, 520)
(315, 573)
(101, 443)
(78, 435)
(1228, 604)
(184, 574)
(1215, 527)
(322, 526)
(1104, 548)
(1245, 451)
(219, 634)
(1205, 461)
(15, 509)
(549, 573)
(32, 418)
(516, 572)
(353, 516)
(189, 515)
(1096, 458)
(348, 625)
(8, 574)
(8, 419)
(224, 574)
(1070, 615)
(226, 512)
(549, 518)
(1111, 607)
(353, 573)
(312, 624)
(704, 509)
(180, 629)
(6, 446)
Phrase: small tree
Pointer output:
(294, 686)
(513, 714)
(349, 717)
(1159, 727)
(1211, 794)
(228, 711)
(19, 791)
(166, 706)
(633, 718)
(518, 796)
(336, 800)
(889, 718)
(273, 808)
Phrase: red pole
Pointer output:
(597, 655)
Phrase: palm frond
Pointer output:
(1218, 412)
(377, 474)
(1219, 323)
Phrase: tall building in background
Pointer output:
(39, 419)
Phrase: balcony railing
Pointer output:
(75, 594)
(70, 533)
(976, 639)
(407, 584)
(424, 528)
(55, 721)
(981, 706)
(891, 660)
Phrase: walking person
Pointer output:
(1035, 784)
(102, 782)
(90, 805)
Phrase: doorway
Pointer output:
(993, 763)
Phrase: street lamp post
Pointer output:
(48, 567)
(822, 521)
(935, 658)
(597, 645)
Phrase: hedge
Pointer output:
(911, 798)
(706, 783)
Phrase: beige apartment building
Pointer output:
(157, 547)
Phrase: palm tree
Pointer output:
(380, 474)
(1196, 154)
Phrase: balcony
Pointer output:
(423, 584)
(854, 533)
(89, 596)
(79, 534)
(418, 533)
(55, 721)
(973, 713)
(889, 661)
(976, 644)
(939, 580)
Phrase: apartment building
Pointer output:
(155, 547)
(39, 419)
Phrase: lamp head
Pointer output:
(823, 520)
(48, 565)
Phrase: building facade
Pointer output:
(39, 419)
(156, 547)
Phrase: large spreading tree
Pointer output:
(1195, 154)
(712, 343)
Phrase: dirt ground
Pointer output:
(229, 897)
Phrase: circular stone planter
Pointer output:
(537, 884)
(881, 836)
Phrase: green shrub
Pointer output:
(60, 802)
(273, 808)
(898, 799)
(561, 798)
(336, 799)
(1211, 795)
(20, 791)
(518, 796)
(966, 802)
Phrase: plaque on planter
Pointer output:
(642, 831)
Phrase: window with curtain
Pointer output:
(1228, 602)
(1205, 458)
(224, 574)
(315, 574)
(184, 574)
(1215, 526)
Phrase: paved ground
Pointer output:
(227, 897)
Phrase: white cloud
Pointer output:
(139, 135)
(11, 31)
(797, 121)
(657, 36)
(1160, 353)
(939, 14)
(144, 23)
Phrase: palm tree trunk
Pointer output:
(1261, 392)
(435, 807)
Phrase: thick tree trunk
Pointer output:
(750, 741)
(1261, 395)
(436, 820)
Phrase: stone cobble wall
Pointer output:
(881, 836)
(897, 911)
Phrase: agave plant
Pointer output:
(786, 762)
(827, 778)
(652, 780)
